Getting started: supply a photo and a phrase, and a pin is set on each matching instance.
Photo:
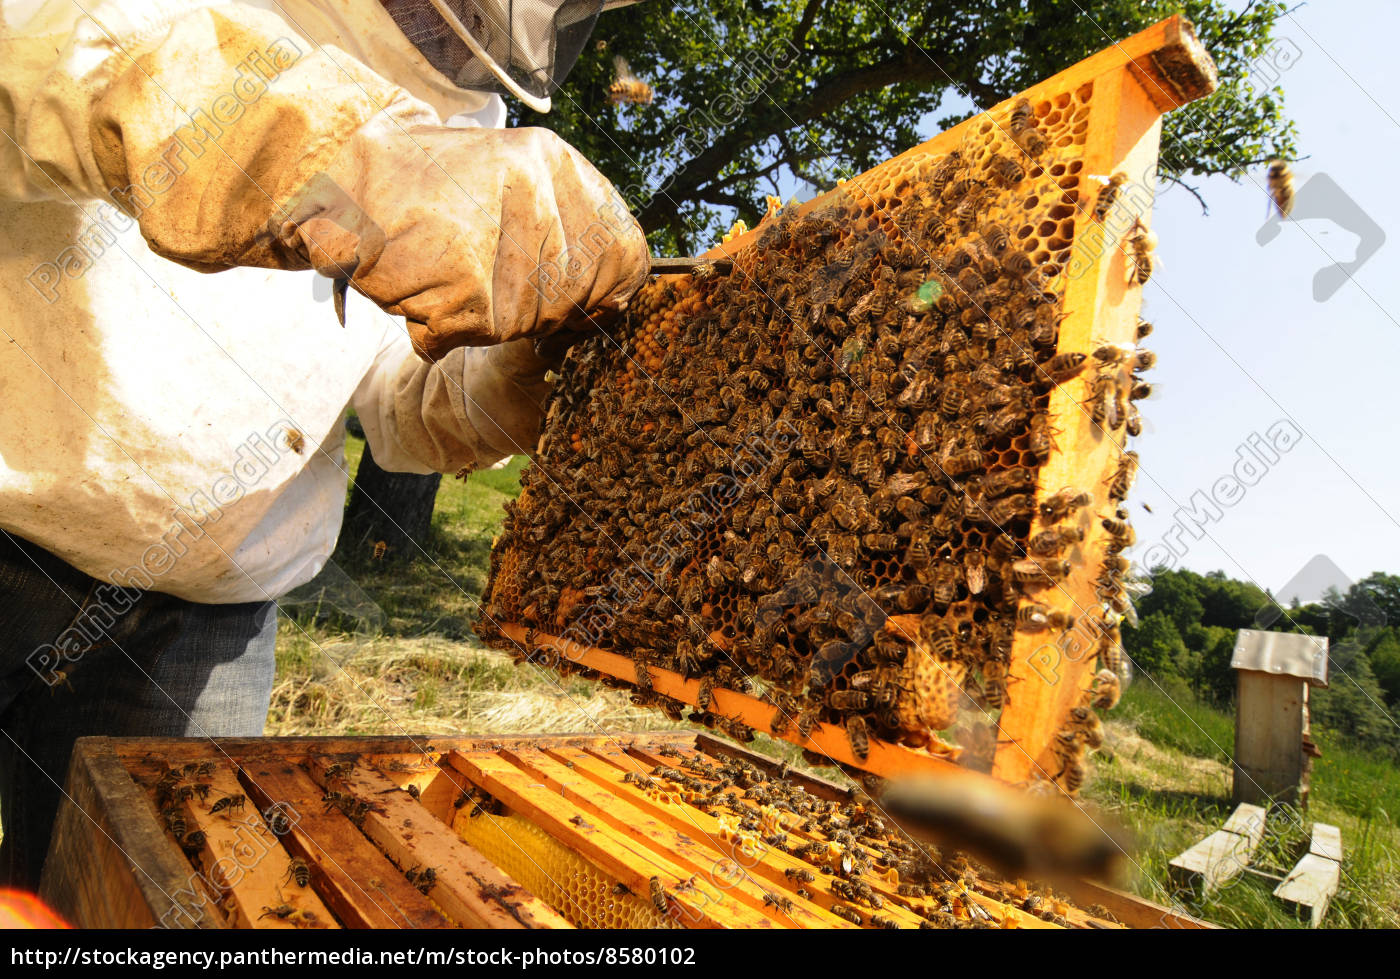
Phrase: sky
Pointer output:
(1243, 345)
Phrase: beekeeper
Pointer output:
(171, 453)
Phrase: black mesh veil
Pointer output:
(535, 42)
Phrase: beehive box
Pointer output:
(642, 831)
(864, 492)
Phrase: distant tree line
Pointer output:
(1186, 634)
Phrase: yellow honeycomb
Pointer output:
(563, 879)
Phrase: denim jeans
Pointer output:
(80, 657)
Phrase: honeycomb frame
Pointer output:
(1030, 686)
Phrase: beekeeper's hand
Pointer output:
(476, 236)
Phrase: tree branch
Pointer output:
(804, 25)
(829, 94)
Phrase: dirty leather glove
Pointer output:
(475, 236)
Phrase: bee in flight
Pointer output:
(627, 87)
(1281, 187)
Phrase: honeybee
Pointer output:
(380, 549)
(1024, 131)
(1133, 422)
(961, 463)
(339, 770)
(1017, 480)
(1073, 775)
(1006, 170)
(1033, 617)
(1122, 480)
(781, 903)
(1029, 571)
(1017, 262)
(424, 879)
(1033, 141)
(175, 822)
(1142, 243)
(658, 895)
(1100, 391)
(1040, 439)
(627, 87)
(1050, 542)
(995, 239)
(1009, 509)
(299, 871)
(1063, 503)
(847, 912)
(1120, 531)
(1107, 689)
(1108, 194)
(1087, 724)
(295, 441)
(1022, 117)
(1067, 746)
(1281, 187)
(1063, 367)
(858, 737)
(228, 803)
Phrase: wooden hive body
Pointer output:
(609, 831)
(723, 490)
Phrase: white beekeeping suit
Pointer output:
(182, 431)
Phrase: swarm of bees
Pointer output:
(816, 479)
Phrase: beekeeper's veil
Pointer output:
(522, 47)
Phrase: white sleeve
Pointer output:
(473, 409)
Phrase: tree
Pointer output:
(1155, 646)
(1384, 654)
(752, 94)
(1353, 703)
(1175, 594)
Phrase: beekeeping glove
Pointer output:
(473, 408)
(474, 236)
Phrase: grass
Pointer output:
(373, 648)
(1165, 775)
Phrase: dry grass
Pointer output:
(432, 685)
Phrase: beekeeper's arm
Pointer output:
(474, 409)
(475, 236)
